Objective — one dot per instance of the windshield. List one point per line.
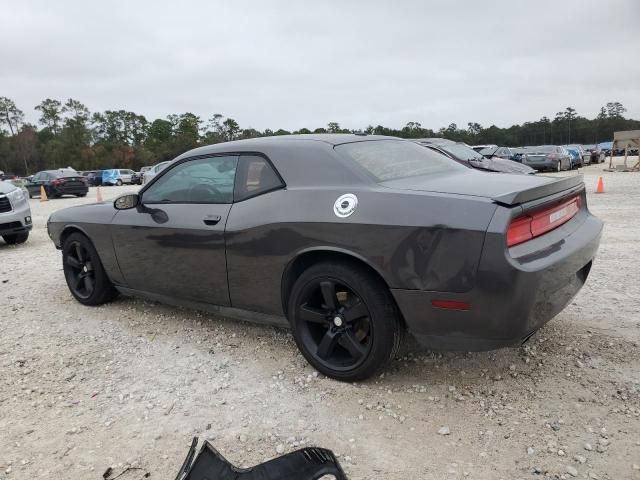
(393, 159)
(488, 151)
(461, 151)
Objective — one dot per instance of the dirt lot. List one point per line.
(130, 383)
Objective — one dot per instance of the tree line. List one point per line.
(68, 134)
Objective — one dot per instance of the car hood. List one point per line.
(89, 213)
(484, 184)
(6, 187)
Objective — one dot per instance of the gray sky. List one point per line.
(301, 64)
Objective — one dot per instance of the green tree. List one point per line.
(333, 127)
(50, 114)
(10, 115)
(615, 110)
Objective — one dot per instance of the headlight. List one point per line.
(16, 197)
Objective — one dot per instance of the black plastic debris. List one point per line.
(305, 464)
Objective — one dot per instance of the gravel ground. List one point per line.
(127, 385)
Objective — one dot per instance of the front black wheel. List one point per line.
(84, 273)
(16, 238)
(344, 320)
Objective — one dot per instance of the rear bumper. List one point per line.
(70, 190)
(542, 165)
(517, 290)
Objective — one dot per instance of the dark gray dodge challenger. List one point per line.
(350, 240)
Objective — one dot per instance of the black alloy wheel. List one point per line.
(344, 321)
(79, 266)
(84, 273)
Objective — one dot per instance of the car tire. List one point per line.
(84, 273)
(81, 195)
(559, 166)
(118, 183)
(16, 238)
(344, 320)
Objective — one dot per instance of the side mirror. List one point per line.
(126, 201)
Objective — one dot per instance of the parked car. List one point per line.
(111, 177)
(576, 156)
(126, 175)
(584, 155)
(348, 239)
(57, 183)
(90, 175)
(605, 148)
(136, 178)
(594, 151)
(462, 153)
(15, 213)
(153, 171)
(94, 178)
(547, 157)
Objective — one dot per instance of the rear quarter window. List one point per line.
(392, 159)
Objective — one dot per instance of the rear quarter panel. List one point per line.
(413, 240)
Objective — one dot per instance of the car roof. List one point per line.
(265, 142)
(301, 160)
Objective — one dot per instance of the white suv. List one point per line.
(125, 175)
(15, 213)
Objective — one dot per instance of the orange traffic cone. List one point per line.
(43, 194)
(98, 194)
(600, 187)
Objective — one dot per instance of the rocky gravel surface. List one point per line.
(127, 385)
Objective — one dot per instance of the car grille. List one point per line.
(6, 226)
(5, 205)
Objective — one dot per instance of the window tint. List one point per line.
(206, 180)
(255, 176)
(392, 159)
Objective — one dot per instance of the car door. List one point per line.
(173, 242)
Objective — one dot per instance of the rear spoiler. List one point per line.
(569, 184)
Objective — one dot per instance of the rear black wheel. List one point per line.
(344, 320)
(559, 166)
(84, 273)
(16, 238)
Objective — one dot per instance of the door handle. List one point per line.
(211, 219)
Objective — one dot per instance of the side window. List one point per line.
(255, 176)
(205, 180)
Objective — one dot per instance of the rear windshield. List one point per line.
(393, 159)
(64, 173)
(543, 149)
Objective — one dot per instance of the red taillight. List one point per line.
(57, 181)
(519, 231)
(552, 156)
(533, 225)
